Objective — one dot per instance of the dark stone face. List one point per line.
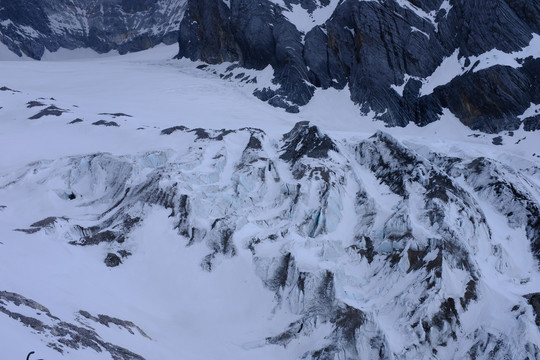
(214, 44)
(112, 260)
(131, 6)
(305, 140)
(532, 123)
(371, 46)
(125, 25)
(534, 301)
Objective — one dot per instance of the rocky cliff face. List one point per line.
(31, 27)
(379, 250)
(403, 60)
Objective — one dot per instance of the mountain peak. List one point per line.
(305, 140)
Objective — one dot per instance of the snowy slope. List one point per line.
(151, 209)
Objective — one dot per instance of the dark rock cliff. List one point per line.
(31, 27)
(384, 51)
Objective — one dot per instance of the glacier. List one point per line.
(211, 225)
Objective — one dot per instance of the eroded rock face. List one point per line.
(384, 51)
(387, 253)
(31, 27)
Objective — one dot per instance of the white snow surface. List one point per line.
(188, 313)
(305, 20)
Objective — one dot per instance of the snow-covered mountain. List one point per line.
(153, 208)
(187, 219)
(34, 26)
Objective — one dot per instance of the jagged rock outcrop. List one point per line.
(31, 27)
(63, 336)
(389, 254)
(387, 53)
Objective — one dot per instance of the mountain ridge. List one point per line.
(376, 47)
(402, 61)
(31, 27)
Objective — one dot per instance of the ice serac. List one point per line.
(393, 55)
(378, 251)
(509, 192)
(31, 27)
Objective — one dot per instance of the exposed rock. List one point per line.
(305, 140)
(31, 27)
(28, 231)
(115, 115)
(106, 123)
(532, 123)
(48, 222)
(375, 47)
(48, 111)
(201, 134)
(34, 103)
(534, 301)
(170, 130)
(253, 33)
(4, 88)
(63, 335)
(112, 260)
(497, 140)
(489, 100)
(106, 320)
(210, 37)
